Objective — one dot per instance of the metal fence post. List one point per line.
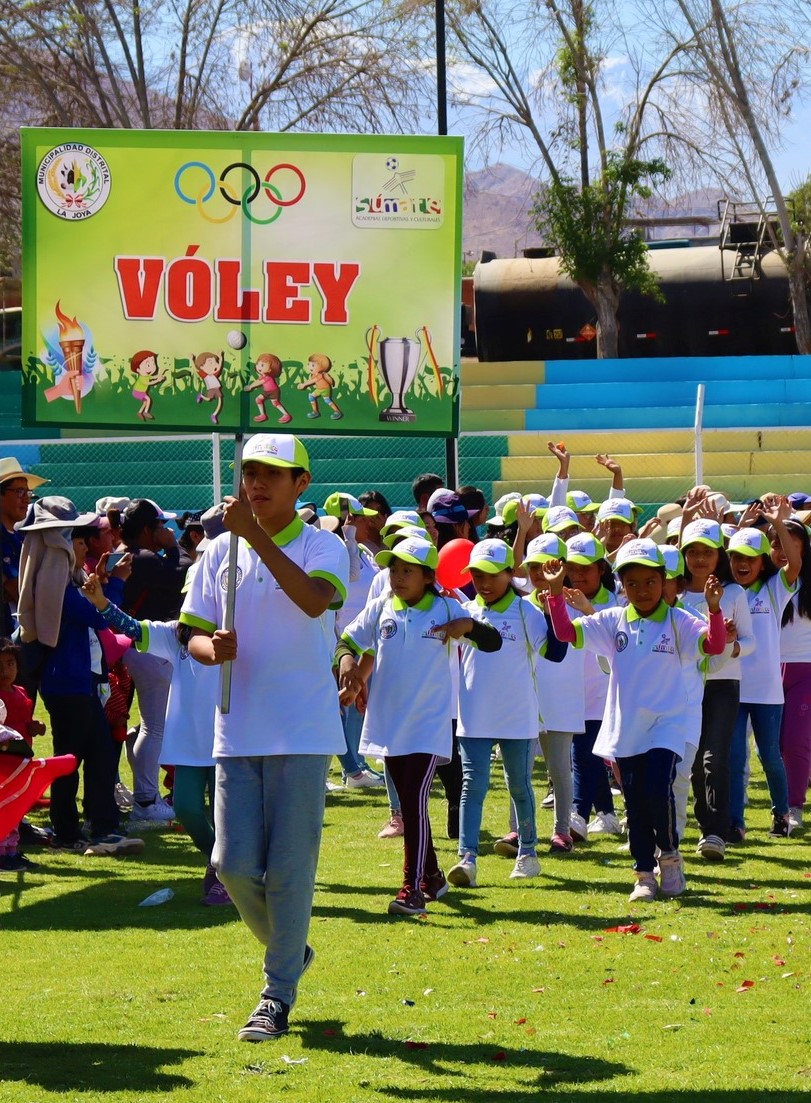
(698, 428)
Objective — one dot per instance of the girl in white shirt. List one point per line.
(646, 644)
(408, 713)
(498, 705)
(702, 545)
(588, 571)
(188, 736)
(768, 591)
(795, 655)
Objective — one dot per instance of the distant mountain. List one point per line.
(498, 201)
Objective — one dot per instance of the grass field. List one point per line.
(510, 992)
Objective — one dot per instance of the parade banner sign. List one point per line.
(181, 280)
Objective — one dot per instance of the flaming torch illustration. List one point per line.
(72, 342)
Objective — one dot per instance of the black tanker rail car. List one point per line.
(526, 309)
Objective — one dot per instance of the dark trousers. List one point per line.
(412, 775)
(710, 775)
(451, 774)
(79, 727)
(647, 784)
(589, 775)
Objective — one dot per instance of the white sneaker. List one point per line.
(604, 823)
(671, 874)
(577, 827)
(333, 787)
(795, 818)
(366, 779)
(463, 874)
(526, 865)
(711, 847)
(645, 887)
(157, 814)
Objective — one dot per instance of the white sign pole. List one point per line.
(231, 592)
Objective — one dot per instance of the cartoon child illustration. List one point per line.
(147, 375)
(209, 368)
(320, 384)
(268, 368)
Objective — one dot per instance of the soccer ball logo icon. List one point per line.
(392, 164)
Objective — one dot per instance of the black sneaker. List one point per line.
(453, 821)
(78, 846)
(781, 828)
(309, 958)
(408, 901)
(269, 1020)
(736, 835)
(16, 863)
(32, 835)
(434, 886)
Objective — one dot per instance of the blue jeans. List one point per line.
(352, 762)
(268, 813)
(766, 726)
(518, 756)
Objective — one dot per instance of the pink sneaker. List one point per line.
(217, 894)
(393, 829)
(283, 420)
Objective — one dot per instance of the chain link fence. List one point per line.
(190, 472)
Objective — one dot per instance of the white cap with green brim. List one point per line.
(339, 503)
(674, 561)
(490, 556)
(584, 549)
(497, 520)
(580, 502)
(728, 531)
(544, 548)
(702, 531)
(412, 550)
(749, 542)
(534, 502)
(402, 518)
(617, 509)
(642, 553)
(560, 518)
(402, 533)
(275, 451)
(673, 527)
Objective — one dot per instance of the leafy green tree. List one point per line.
(545, 79)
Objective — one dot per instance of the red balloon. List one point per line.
(452, 559)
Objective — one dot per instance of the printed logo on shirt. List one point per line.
(621, 641)
(759, 605)
(431, 633)
(507, 632)
(224, 578)
(665, 645)
(388, 628)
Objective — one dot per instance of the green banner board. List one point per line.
(181, 280)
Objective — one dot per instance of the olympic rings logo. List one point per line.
(228, 190)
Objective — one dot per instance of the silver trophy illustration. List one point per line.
(399, 361)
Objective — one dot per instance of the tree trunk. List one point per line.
(605, 300)
(798, 287)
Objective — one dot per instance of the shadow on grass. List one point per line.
(543, 1069)
(109, 904)
(93, 1066)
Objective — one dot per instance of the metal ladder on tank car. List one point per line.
(748, 232)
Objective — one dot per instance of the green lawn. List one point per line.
(514, 991)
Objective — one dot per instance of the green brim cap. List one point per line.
(275, 451)
(412, 550)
